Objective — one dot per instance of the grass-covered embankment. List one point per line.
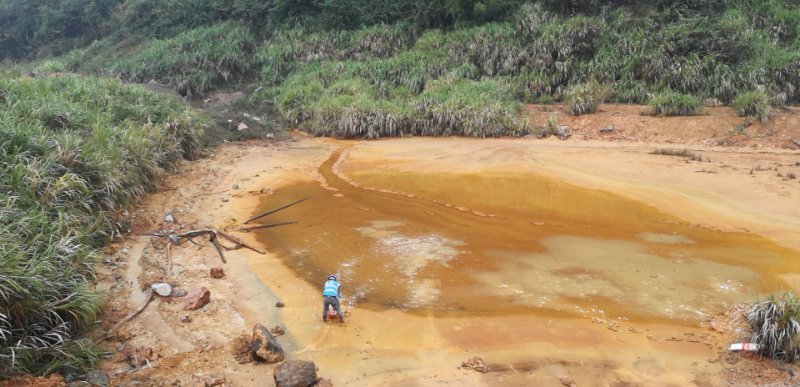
(403, 78)
(74, 151)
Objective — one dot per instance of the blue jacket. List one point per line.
(331, 288)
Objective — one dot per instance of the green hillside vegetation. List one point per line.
(74, 151)
(533, 54)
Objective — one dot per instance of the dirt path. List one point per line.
(731, 189)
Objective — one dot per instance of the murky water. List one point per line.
(499, 244)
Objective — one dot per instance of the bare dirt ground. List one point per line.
(745, 181)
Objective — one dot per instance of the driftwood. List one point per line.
(213, 237)
(129, 316)
(239, 242)
(251, 228)
(263, 214)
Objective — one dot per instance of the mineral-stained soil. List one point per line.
(745, 181)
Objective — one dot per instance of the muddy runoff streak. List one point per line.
(495, 244)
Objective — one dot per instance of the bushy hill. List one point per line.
(355, 78)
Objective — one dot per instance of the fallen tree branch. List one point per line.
(239, 241)
(213, 239)
(210, 193)
(169, 258)
(129, 316)
(263, 214)
(251, 228)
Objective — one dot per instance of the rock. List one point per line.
(567, 381)
(186, 319)
(97, 378)
(169, 219)
(476, 364)
(279, 304)
(217, 272)
(278, 330)
(163, 289)
(265, 347)
(241, 126)
(607, 129)
(295, 373)
(563, 132)
(225, 200)
(179, 293)
(235, 186)
(197, 298)
(212, 381)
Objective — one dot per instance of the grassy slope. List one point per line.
(387, 80)
(73, 152)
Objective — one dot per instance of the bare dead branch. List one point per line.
(263, 214)
(129, 316)
(251, 228)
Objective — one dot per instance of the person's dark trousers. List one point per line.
(330, 300)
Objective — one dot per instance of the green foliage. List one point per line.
(674, 104)
(584, 98)
(753, 104)
(193, 62)
(775, 325)
(38, 28)
(334, 100)
(73, 152)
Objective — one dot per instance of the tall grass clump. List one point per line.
(193, 62)
(583, 98)
(753, 104)
(73, 152)
(674, 104)
(333, 100)
(775, 325)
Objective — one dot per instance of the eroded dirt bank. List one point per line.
(390, 347)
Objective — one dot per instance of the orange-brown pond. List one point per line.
(502, 244)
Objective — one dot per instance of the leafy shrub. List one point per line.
(753, 104)
(775, 325)
(673, 104)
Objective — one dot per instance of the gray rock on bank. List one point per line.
(163, 289)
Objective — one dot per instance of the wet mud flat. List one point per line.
(543, 279)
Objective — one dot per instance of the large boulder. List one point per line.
(295, 373)
(265, 346)
(197, 298)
